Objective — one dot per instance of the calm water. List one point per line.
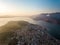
(53, 29)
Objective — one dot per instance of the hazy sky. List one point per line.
(28, 7)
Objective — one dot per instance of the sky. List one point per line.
(28, 7)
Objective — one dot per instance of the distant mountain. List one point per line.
(49, 17)
(24, 33)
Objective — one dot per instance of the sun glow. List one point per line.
(5, 8)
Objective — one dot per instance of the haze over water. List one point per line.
(4, 21)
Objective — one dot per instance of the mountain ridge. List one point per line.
(48, 17)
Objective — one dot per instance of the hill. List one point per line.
(48, 17)
(24, 33)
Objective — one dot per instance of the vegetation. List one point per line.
(7, 31)
(24, 33)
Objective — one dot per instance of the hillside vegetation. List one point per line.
(24, 33)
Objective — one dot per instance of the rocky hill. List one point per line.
(24, 33)
(48, 17)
